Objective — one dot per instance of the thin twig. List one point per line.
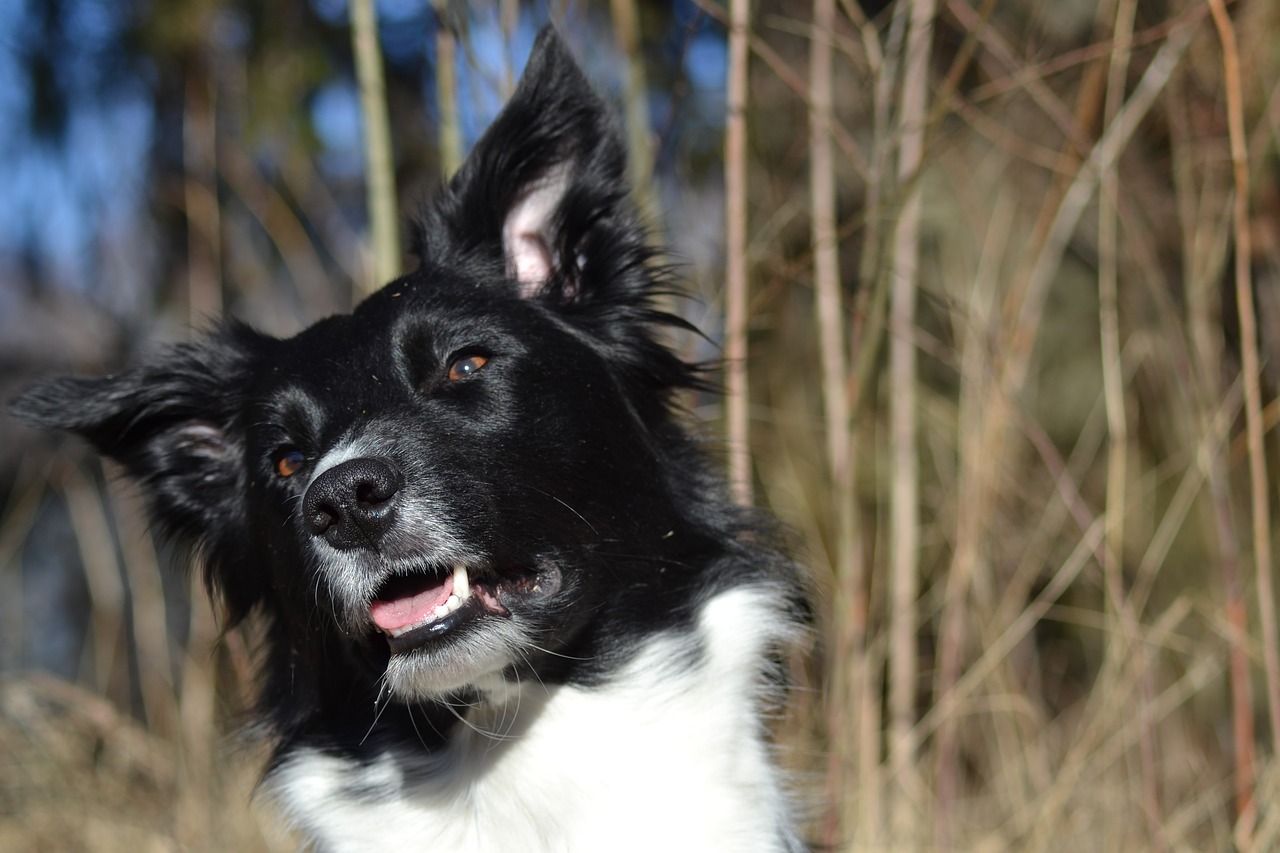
(846, 564)
(449, 133)
(1259, 500)
(384, 225)
(626, 30)
(200, 198)
(1117, 427)
(905, 495)
(735, 200)
(1203, 263)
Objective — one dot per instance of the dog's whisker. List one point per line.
(462, 718)
(414, 723)
(383, 690)
(582, 517)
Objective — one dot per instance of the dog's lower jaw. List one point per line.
(667, 754)
(438, 670)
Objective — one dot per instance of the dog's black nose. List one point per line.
(353, 503)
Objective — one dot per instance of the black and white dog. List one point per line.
(508, 605)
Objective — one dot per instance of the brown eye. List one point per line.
(465, 366)
(289, 462)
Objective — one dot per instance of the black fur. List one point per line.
(559, 467)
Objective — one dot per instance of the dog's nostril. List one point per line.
(370, 493)
(321, 518)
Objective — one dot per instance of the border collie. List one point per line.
(508, 604)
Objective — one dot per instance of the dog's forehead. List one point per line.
(361, 355)
(378, 322)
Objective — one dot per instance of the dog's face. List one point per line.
(439, 484)
(443, 464)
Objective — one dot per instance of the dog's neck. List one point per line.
(668, 754)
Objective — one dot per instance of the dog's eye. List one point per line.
(289, 461)
(465, 366)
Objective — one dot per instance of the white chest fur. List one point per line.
(667, 756)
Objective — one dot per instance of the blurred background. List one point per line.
(1001, 283)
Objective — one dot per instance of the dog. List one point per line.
(508, 605)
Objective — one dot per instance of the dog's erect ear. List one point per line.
(170, 423)
(544, 190)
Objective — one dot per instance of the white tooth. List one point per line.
(461, 587)
(453, 603)
(441, 611)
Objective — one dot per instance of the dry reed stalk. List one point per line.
(1203, 264)
(846, 563)
(1214, 462)
(200, 198)
(509, 16)
(148, 608)
(1259, 499)
(196, 696)
(1205, 332)
(102, 573)
(735, 200)
(195, 690)
(975, 489)
(972, 515)
(872, 301)
(1117, 428)
(1204, 247)
(450, 131)
(17, 518)
(865, 340)
(384, 225)
(626, 31)
(905, 488)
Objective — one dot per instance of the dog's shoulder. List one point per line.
(667, 753)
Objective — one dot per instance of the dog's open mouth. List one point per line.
(411, 609)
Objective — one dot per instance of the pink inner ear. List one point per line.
(528, 261)
(526, 233)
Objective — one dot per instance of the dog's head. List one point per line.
(445, 483)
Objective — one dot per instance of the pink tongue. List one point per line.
(411, 609)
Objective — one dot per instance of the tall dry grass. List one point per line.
(1006, 277)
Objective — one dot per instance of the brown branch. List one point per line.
(626, 30)
(449, 133)
(735, 200)
(200, 198)
(1259, 500)
(1118, 431)
(905, 489)
(847, 674)
(384, 225)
